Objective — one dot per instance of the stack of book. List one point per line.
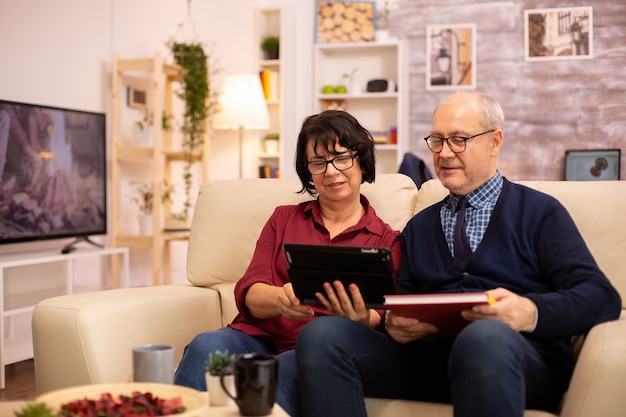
(268, 171)
(270, 82)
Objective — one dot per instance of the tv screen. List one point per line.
(52, 173)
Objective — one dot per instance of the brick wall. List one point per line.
(549, 106)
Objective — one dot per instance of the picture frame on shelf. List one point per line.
(592, 165)
(345, 21)
(451, 57)
(137, 98)
(558, 33)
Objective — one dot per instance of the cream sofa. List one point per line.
(87, 338)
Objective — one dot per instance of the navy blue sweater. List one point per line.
(531, 247)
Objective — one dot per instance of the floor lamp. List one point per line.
(242, 107)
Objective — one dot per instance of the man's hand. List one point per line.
(516, 311)
(406, 329)
(338, 302)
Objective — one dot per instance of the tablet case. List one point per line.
(371, 268)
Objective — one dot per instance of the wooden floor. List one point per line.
(20, 382)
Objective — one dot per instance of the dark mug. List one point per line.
(256, 377)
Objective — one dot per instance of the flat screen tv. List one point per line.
(52, 173)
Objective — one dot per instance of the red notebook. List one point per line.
(442, 310)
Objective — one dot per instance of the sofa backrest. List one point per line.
(597, 208)
(230, 214)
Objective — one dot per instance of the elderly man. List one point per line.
(518, 244)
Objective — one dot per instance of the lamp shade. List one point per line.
(242, 104)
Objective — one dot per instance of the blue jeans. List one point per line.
(488, 370)
(190, 371)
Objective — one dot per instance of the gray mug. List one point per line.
(154, 363)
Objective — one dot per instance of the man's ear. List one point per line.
(497, 140)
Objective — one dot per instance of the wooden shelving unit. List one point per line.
(160, 78)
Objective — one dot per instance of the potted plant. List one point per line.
(354, 86)
(382, 32)
(144, 198)
(270, 142)
(219, 362)
(143, 128)
(270, 46)
(200, 102)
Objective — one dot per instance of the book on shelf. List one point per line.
(270, 81)
(442, 310)
(268, 171)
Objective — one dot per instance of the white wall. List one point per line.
(60, 53)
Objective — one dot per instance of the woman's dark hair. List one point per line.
(326, 129)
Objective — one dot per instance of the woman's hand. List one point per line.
(352, 306)
(405, 329)
(290, 306)
(267, 301)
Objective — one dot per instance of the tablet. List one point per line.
(370, 268)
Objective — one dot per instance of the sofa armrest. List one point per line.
(597, 385)
(87, 338)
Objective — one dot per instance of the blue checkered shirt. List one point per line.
(482, 202)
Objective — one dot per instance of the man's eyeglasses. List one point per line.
(341, 163)
(457, 144)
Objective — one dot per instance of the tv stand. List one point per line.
(16, 346)
(70, 246)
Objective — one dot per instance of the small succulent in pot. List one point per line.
(271, 46)
(218, 361)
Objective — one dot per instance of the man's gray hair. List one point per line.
(492, 111)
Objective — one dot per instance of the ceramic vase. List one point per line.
(355, 87)
(146, 225)
(142, 137)
(382, 35)
(271, 146)
(217, 396)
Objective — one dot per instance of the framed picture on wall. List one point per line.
(563, 33)
(450, 57)
(592, 165)
(345, 21)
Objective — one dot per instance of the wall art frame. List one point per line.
(451, 57)
(340, 21)
(592, 165)
(558, 33)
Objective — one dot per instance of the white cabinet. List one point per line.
(382, 111)
(16, 347)
(268, 24)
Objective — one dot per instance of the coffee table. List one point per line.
(233, 411)
(8, 409)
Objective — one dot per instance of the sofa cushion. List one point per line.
(230, 214)
(87, 338)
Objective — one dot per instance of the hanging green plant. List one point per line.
(200, 103)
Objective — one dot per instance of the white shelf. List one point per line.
(269, 23)
(362, 96)
(15, 348)
(376, 111)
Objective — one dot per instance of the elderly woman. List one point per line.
(334, 156)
